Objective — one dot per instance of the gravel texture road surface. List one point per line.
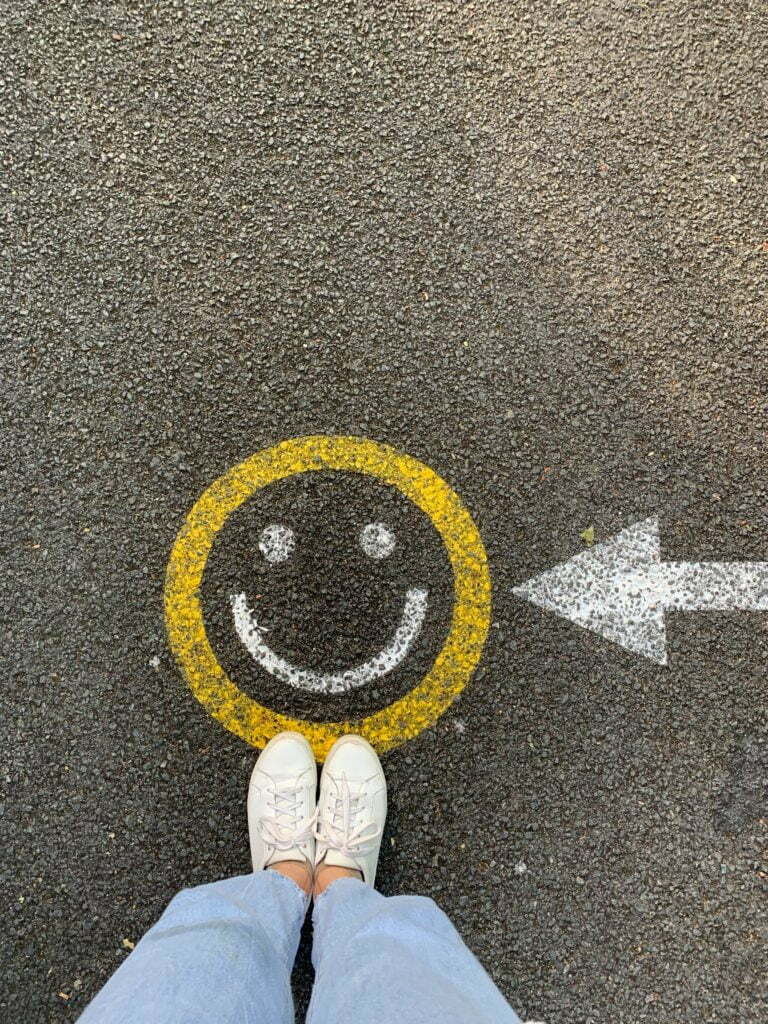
(526, 244)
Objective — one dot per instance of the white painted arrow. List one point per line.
(621, 589)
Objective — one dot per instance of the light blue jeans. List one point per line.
(223, 953)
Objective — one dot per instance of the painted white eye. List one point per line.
(377, 540)
(277, 542)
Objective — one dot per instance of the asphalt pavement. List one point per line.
(525, 244)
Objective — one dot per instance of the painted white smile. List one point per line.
(252, 636)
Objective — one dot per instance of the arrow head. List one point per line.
(612, 589)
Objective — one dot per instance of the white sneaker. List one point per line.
(282, 803)
(352, 808)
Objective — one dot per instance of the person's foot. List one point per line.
(351, 813)
(281, 808)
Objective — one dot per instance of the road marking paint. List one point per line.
(377, 541)
(277, 542)
(621, 589)
(406, 717)
(381, 664)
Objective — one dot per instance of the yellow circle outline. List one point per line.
(453, 667)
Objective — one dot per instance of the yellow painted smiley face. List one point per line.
(451, 670)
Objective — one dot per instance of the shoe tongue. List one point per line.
(293, 853)
(354, 790)
(335, 859)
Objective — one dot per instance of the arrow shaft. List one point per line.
(714, 586)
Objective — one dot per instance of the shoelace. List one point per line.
(347, 838)
(284, 830)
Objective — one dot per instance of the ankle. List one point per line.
(298, 871)
(328, 873)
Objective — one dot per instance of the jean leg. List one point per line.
(395, 960)
(220, 954)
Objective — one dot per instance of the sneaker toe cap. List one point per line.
(353, 757)
(287, 754)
